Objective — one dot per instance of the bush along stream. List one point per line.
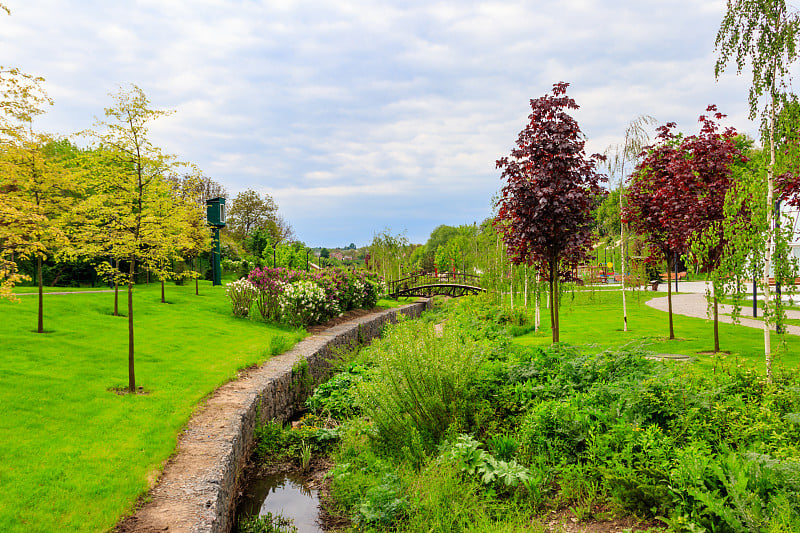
(459, 429)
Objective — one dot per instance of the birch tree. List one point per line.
(620, 158)
(763, 34)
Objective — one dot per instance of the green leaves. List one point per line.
(764, 34)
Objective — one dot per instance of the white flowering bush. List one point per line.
(303, 303)
(242, 293)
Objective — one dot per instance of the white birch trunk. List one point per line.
(770, 240)
(537, 316)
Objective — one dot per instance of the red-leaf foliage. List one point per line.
(679, 186)
(788, 187)
(545, 207)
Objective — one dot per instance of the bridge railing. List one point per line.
(417, 279)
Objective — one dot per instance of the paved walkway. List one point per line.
(694, 304)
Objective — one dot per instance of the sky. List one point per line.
(362, 116)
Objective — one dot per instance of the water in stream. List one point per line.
(284, 494)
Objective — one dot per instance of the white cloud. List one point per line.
(388, 113)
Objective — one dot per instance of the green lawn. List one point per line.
(75, 456)
(593, 319)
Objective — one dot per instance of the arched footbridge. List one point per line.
(427, 284)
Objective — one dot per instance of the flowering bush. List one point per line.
(270, 283)
(284, 295)
(303, 302)
(242, 293)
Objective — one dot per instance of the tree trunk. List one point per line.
(40, 326)
(556, 305)
(116, 291)
(770, 239)
(550, 303)
(196, 279)
(622, 267)
(163, 301)
(526, 288)
(131, 372)
(537, 296)
(511, 277)
(716, 324)
(553, 300)
(669, 297)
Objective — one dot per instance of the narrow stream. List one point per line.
(283, 494)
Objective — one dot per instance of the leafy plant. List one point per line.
(305, 456)
(472, 460)
(242, 293)
(267, 523)
(337, 397)
(503, 446)
(382, 504)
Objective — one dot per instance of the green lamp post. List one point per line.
(215, 215)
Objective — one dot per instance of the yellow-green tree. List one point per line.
(131, 215)
(22, 98)
(39, 182)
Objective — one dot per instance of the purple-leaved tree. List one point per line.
(550, 187)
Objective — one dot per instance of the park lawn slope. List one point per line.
(593, 321)
(76, 455)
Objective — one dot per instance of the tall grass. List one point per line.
(421, 385)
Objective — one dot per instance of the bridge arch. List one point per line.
(427, 284)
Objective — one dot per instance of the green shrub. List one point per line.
(336, 397)
(638, 475)
(421, 384)
(273, 441)
(736, 492)
(279, 344)
(382, 504)
(503, 446)
(555, 430)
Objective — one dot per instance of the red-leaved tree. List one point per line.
(677, 195)
(545, 206)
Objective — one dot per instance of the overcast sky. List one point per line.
(358, 115)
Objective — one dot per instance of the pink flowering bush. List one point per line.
(304, 298)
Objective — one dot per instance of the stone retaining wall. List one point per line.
(197, 490)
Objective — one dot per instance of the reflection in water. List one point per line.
(283, 494)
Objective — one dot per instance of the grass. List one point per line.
(387, 303)
(76, 456)
(593, 320)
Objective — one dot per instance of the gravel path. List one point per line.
(694, 305)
